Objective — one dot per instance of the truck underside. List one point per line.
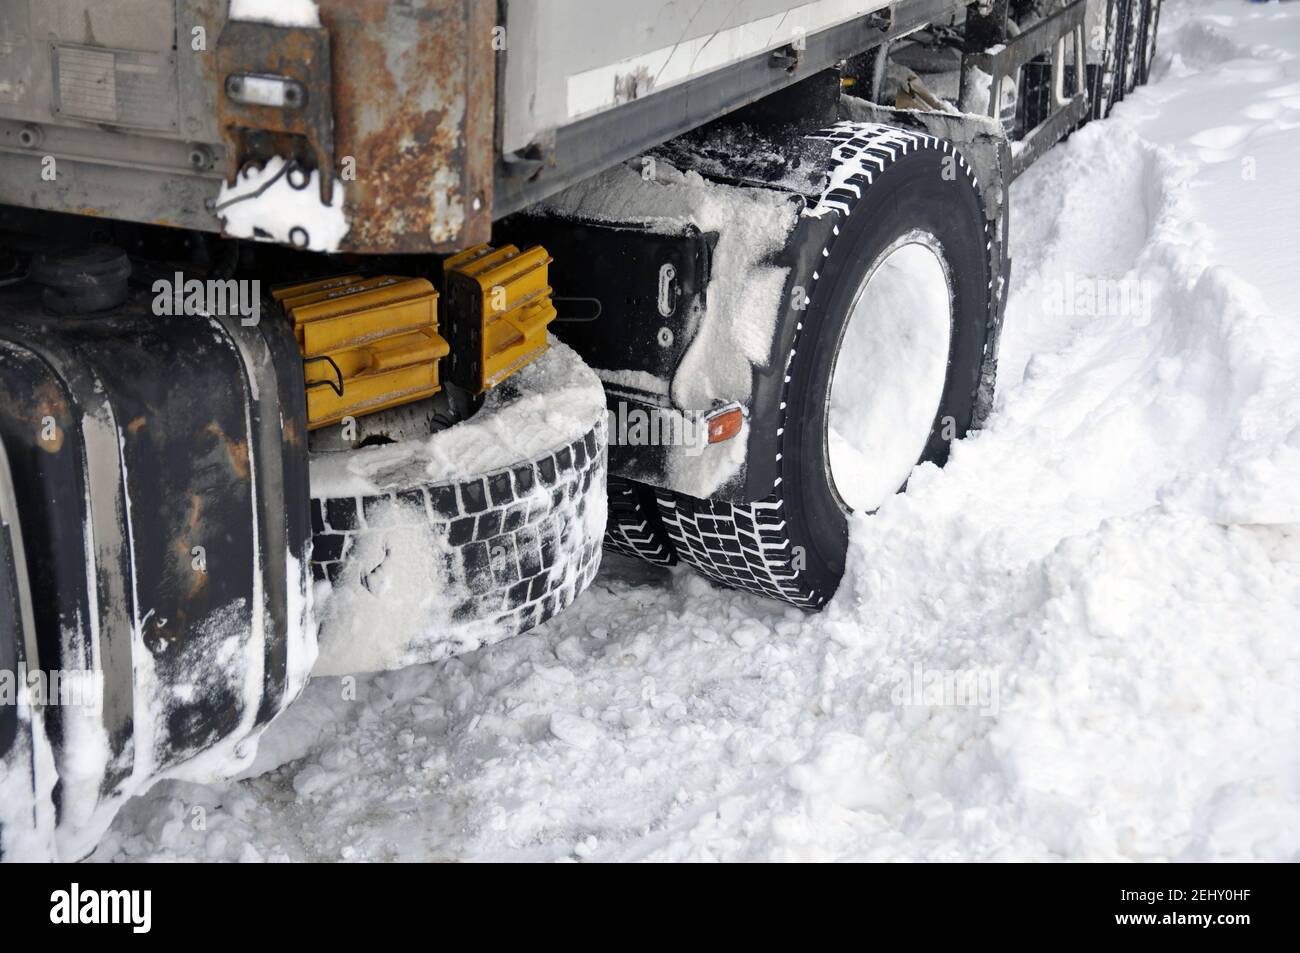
(307, 313)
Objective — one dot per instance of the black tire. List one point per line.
(634, 528)
(518, 543)
(1129, 48)
(1150, 26)
(1102, 77)
(792, 545)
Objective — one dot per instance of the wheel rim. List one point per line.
(889, 373)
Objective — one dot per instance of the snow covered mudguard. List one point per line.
(160, 474)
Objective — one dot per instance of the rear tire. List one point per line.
(1102, 77)
(1150, 25)
(792, 545)
(635, 528)
(1130, 50)
(514, 544)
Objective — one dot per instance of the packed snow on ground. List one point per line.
(1081, 639)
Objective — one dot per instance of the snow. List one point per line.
(636, 380)
(893, 358)
(550, 402)
(734, 333)
(265, 205)
(393, 606)
(1112, 567)
(290, 13)
(744, 299)
(27, 778)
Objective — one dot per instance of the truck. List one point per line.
(343, 335)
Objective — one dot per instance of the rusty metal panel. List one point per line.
(296, 61)
(410, 84)
(414, 91)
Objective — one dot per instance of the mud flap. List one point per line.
(160, 471)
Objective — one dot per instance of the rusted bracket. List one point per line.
(275, 97)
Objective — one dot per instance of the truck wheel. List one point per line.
(883, 372)
(1130, 52)
(1150, 24)
(634, 527)
(1101, 77)
(454, 564)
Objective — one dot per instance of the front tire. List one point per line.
(892, 188)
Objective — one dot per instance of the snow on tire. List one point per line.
(422, 563)
(1136, 44)
(890, 189)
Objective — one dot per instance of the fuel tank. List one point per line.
(159, 471)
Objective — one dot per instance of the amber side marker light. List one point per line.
(725, 424)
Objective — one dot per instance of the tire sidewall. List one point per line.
(918, 192)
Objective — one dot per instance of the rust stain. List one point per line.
(48, 414)
(236, 450)
(185, 547)
(299, 53)
(135, 426)
(410, 124)
(289, 429)
(413, 106)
